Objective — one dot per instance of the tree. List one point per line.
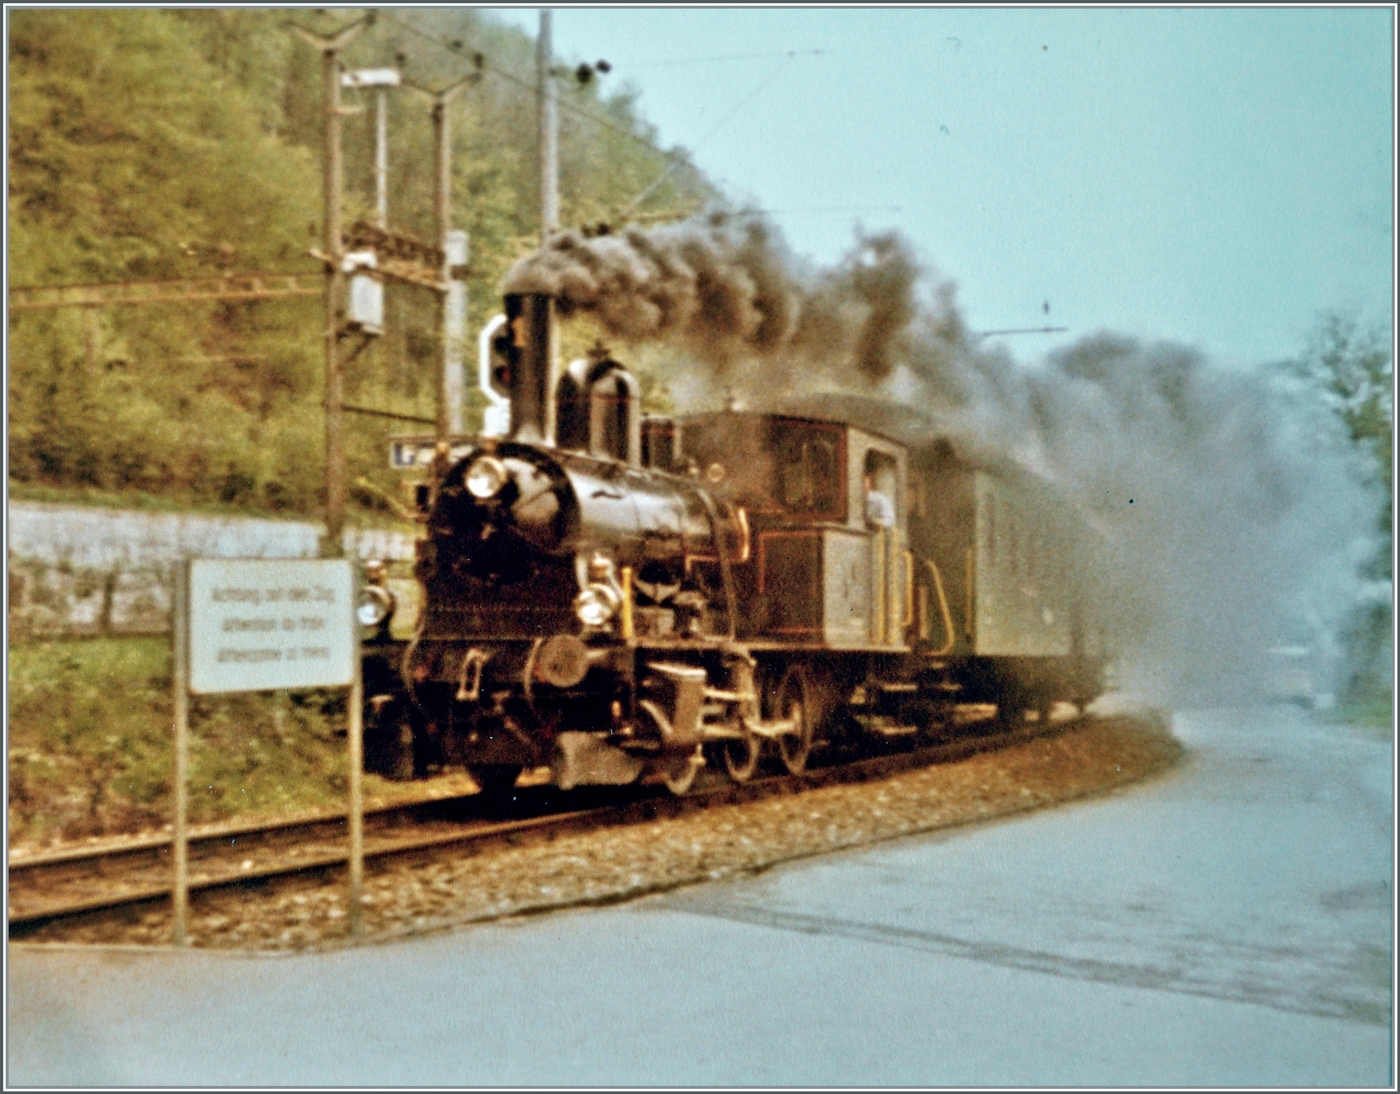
(149, 144)
(1352, 369)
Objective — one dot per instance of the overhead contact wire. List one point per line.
(677, 158)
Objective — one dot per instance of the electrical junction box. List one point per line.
(364, 310)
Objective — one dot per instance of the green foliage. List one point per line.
(1375, 714)
(131, 157)
(154, 144)
(1353, 369)
(90, 743)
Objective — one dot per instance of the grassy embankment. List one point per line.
(90, 744)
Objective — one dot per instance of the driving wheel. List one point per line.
(792, 702)
(680, 773)
(741, 756)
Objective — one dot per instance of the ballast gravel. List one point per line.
(614, 864)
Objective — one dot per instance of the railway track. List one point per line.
(86, 883)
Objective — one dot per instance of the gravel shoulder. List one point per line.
(610, 865)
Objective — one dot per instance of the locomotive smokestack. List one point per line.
(527, 344)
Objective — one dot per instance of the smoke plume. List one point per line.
(1228, 507)
(725, 290)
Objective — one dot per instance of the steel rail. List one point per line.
(151, 853)
(159, 843)
(388, 847)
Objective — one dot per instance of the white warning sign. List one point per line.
(263, 624)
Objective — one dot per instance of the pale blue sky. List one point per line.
(1213, 176)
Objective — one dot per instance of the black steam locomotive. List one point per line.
(626, 599)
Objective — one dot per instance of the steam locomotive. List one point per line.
(625, 598)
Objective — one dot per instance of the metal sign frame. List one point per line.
(181, 633)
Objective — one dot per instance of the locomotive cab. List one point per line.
(820, 571)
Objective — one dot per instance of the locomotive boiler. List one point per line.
(621, 598)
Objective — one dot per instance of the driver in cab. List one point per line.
(879, 506)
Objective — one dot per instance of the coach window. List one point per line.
(797, 479)
(826, 474)
(809, 477)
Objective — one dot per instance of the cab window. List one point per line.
(809, 470)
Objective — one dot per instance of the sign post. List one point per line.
(356, 736)
(181, 636)
(265, 625)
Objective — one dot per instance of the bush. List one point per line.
(91, 743)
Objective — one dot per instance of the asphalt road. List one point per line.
(1227, 924)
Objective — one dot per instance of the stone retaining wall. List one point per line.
(79, 571)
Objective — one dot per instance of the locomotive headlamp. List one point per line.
(486, 476)
(376, 605)
(596, 604)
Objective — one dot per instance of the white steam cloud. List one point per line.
(1230, 512)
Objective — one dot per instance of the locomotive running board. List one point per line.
(884, 726)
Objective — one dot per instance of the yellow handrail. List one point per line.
(628, 631)
(881, 590)
(943, 610)
(742, 518)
